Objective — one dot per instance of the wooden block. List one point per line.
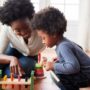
(12, 77)
(5, 78)
(16, 82)
(32, 81)
(19, 78)
(26, 79)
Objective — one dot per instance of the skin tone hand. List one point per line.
(43, 61)
(14, 66)
(49, 66)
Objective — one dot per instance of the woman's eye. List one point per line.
(17, 31)
(43, 38)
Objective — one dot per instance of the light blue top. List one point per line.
(71, 58)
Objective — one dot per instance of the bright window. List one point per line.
(36, 4)
(69, 7)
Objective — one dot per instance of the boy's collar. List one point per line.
(62, 39)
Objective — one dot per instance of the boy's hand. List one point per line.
(43, 61)
(14, 66)
(49, 66)
(55, 59)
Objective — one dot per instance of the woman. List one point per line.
(24, 44)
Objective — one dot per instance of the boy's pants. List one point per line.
(27, 63)
(73, 82)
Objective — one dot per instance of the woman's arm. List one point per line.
(13, 61)
(4, 59)
(4, 40)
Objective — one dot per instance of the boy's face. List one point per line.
(48, 40)
(22, 27)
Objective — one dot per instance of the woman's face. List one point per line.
(22, 27)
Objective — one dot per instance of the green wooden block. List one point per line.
(38, 66)
(32, 81)
(0, 73)
(1, 88)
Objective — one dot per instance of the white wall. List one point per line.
(1, 2)
(84, 24)
(72, 30)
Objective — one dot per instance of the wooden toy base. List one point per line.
(15, 84)
(15, 81)
(15, 87)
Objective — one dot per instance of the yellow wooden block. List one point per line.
(5, 78)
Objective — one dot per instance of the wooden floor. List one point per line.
(46, 84)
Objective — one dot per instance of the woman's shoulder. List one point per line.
(5, 29)
(34, 36)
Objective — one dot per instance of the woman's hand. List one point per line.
(14, 66)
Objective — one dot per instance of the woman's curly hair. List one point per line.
(16, 9)
(49, 20)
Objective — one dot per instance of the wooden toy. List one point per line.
(26, 79)
(15, 81)
(12, 78)
(19, 78)
(4, 79)
(0, 74)
(39, 70)
(0, 77)
(39, 57)
(32, 81)
(18, 83)
(55, 78)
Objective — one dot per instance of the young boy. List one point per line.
(16, 31)
(73, 65)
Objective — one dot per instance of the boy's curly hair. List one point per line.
(16, 9)
(49, 20)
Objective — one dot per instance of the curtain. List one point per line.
(84, 24)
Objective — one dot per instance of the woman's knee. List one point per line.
(27, 63)
(12, 51)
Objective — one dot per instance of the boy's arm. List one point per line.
(69, 64)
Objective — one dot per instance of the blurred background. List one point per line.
(77, 13)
